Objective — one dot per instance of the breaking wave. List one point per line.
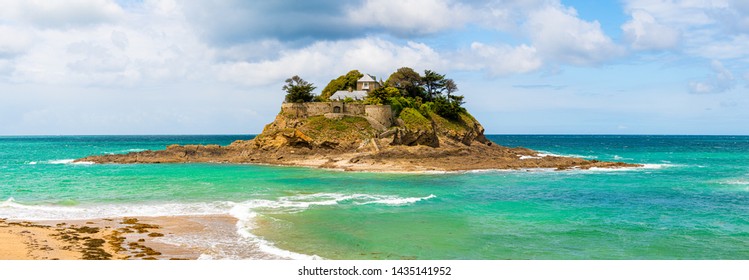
(60, 161)
(245, 212)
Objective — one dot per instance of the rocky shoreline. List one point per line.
(351, 143)
(385, 159)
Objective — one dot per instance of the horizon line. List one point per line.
(255, 134)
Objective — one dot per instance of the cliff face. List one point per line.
(336, 133)
(344, 133)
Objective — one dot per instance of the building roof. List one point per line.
(355, 95)
(366, 78)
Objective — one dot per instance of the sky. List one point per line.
(81, 67)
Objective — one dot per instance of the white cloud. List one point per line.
(500, 60)
(708, 29)
(95, 59)
(723, 48)
(734, 16)
(149, 46)
(163, 7)
(644, 32)
(559, 35)
(224, 23)
(255, 51)
(677, 12)
(119, 40)
(409, 16)
(721, 80)
(6, 67)
(323, 60)
(507, 15)
(62, 14)
(14, 41)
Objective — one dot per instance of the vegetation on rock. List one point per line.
(298, 90)
(407, 81)
(344, 82)
(431, 93)
(413, 120)
(322, 127)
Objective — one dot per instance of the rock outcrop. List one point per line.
(414, 143)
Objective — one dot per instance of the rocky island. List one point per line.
(406, 124)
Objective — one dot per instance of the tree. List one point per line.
(344, 82)
(450, 87)
(298, 90)
(449, 107)
(408, 81)
(433, 83)
(382, 94)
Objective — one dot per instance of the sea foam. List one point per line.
(550, 154)
(60, 161)
(398, 200)
(543, 154)
(246, 213)
(125, 151)
(66, 161)
(13, 210)
(644, 166)
(246, 223)
(737, 182)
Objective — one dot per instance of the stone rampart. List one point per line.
(382, 114)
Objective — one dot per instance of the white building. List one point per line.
(363, 86)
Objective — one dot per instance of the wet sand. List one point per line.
(130, 238)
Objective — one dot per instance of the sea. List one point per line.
(689, 201)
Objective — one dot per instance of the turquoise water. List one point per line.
(691, 201)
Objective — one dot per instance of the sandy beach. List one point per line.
(129, 238)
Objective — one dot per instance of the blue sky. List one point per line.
(526, 67)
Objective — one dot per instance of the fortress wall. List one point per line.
(354, 109)
(305, 110)
(382, 113)
(294, 109)
(318, 108)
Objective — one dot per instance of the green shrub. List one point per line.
(415, 120)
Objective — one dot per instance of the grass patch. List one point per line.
(321, 123)
(415, 120)
(467, 119)
(320, 127)
(465, 122)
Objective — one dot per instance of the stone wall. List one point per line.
(305, 110)
(354, 109)
(318, 108)
(382, 114)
